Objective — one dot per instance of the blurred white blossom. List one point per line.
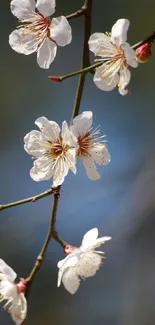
(38, 32)
(16, 303)
(54, 153)
(82, 262)
(90, 144)
(116, 54)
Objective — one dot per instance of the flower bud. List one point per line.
(143, 53)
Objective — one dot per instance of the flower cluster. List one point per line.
(55, 151)
(80, 263)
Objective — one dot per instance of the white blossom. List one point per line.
(16, 303)
(54, 153)
(90, 145)
(82, 262)
(38, 32)
(116, 54)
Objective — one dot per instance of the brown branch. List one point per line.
(52, 233)
(30, 199)
(150, 38)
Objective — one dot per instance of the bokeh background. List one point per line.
(121, 204)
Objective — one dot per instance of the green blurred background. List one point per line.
(121, 204)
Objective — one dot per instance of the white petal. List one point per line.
(130, 55)
(60, 31)
(71, 159)
(100, 42)
(91, 170)
(102, 240)
(46, 7)
(50, 129)
(8, 289)
(90, 237)
(100, 154)
(71, 281)
(60, 172)
(106, 83)
(19, 309)
(70, 261)
(32, 143)
(68, 136)
(7, 271)
(82, 123)
(46, 54)
(119, 31)
(125, 76)
(42, 169)
(22, 43)
(22, 8)
(88, 264)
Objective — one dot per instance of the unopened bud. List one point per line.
(54, 78)
(143, 53)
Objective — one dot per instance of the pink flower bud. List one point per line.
(143, 53)
(54, 78)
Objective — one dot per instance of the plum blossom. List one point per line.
(116, 55)
(38, 32)
(82, 262)
(54, 153)
(16, 303)
(90, 148)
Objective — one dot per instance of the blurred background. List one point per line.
(121, 204)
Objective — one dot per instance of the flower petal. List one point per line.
(82, 123)
(19, 309)
(42, 169)
(88, 264)
(33, 142)
(125, 76)
(68, 136)
(60, 171)
(70, 261)
(100, 154)
(60, 31)
(71, 159)
(104, 79)
(46, 7)
(130, 55)
(50, 129)
(119, 31)
(7, 271)
(90, 237)
(21, 9)
(100, 44)
(91, 170)
(102, 240)
(46, 54)
(22, 43)
(71, 281)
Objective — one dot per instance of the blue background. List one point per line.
(121, 204)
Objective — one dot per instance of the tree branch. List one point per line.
(30, 199)
(52, 233)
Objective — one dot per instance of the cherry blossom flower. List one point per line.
(82, 262)
(90, 144)
(54, 153)
(38, 32)
(116, 54)
(16, 303)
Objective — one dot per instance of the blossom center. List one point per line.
(58, 149)
(84, 144)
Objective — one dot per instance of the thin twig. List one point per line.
(52, 233)
(30, 199)
(91, 68)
